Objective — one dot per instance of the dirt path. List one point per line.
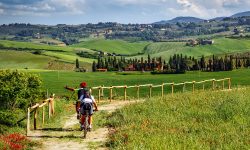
(69, 137)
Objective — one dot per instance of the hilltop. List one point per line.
(241, 14)
(181, 20)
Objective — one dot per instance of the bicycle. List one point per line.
(86, 124)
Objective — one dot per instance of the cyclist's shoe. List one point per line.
(89, 127)
(82, 127)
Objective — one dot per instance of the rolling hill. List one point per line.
(241, 14)
(181, 20)
(63, 54)
(220, 47)
(113, 46)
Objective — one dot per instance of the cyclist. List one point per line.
(87, 102)
(80, 91)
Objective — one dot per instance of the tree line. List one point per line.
(176, 63)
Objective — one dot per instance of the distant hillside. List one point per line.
(181, 20)
(217, 19)
(241, 14)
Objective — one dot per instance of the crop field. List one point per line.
(220, 47)
(113, 46)
(206, 120)
(30, 45)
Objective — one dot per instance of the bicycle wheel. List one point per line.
(86, 124)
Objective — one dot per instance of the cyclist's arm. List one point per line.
(95, 105)
(72, 89)
(69, 88)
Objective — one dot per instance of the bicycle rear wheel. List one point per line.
(86, 124)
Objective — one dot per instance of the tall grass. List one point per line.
(211, 120)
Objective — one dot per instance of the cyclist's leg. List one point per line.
(90, 117)
(78, 109)
(90, 120)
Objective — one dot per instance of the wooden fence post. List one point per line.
(184, 87)
(43, 115)
(162, 90)
(223, 84)
(172, 89)
(150, 91)
(102, 95)
(49, 105)
(193, 86)
(125, 92)
(28, 122)
(138, 92)
(203, 86)
(111, 94)
(35, 119)
(52, 107)
(99, 94)
(229, 83)
(213, 84)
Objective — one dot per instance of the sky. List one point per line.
(53, 12)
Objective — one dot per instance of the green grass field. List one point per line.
(113, 46)
(220, 47)
(54, 81)
(64, 54)
(209, 120)
(163, 49)
(30, 45)
(20, 60)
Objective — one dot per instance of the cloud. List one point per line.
(141, 2)
(43, 7)
(1, 11)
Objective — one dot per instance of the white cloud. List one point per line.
(141, 2)
(1, 11)
(45, 7)
(68, 6)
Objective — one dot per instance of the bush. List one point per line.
(18, 89)
(8, 118)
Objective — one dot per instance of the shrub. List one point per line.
(8, 118)
(18, 89)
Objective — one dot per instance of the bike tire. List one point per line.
(86, 125)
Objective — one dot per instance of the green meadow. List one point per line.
(54, 81)
(206, 120)
(221, 46)
(20, 60)
(113, 46)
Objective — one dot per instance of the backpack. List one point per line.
(87, 106)
(85, 92)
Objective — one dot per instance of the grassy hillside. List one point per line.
(221, 46)
(211, 120)
(21, 60)
(113, 46)
(29, 45)
(64, 54)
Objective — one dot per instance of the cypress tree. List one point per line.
(94, 66)
(77, 63)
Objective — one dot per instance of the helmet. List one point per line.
(83, 84)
